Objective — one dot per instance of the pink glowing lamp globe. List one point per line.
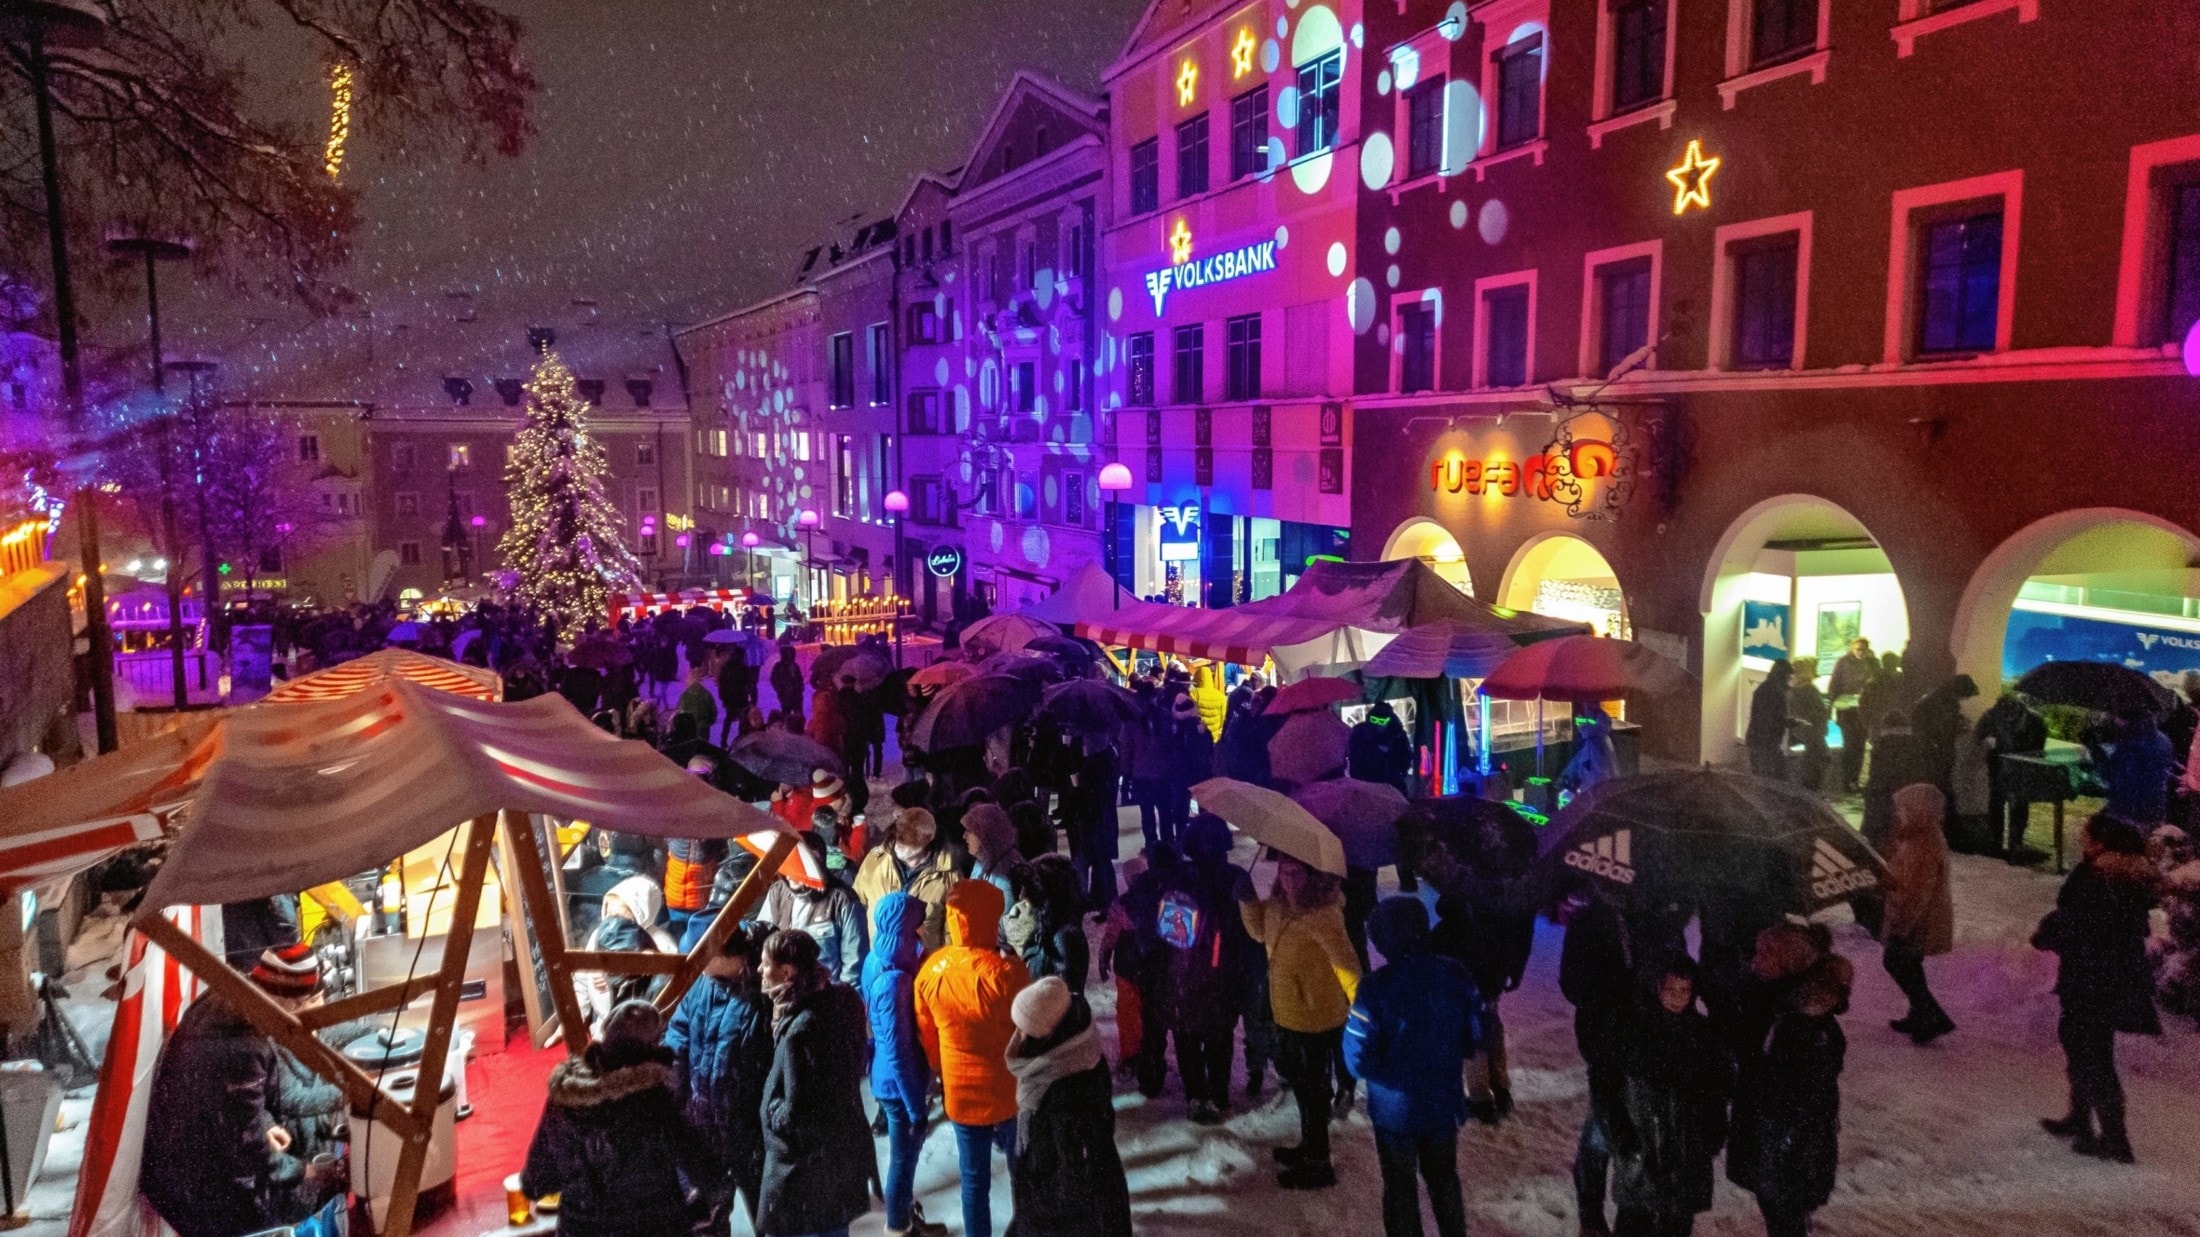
(1115, 478)
(750, 541)
(2192, 350)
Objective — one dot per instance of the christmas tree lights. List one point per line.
(565, 543)
(339, 119)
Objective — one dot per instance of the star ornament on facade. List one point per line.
(1692, 179)
(1241, 52)
(1187, 84)
(1180, 243)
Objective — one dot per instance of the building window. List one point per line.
(408, 553)
(408, 503)
(2183, 293)
(844, 476)
(1960, 285)
(882, 360)
(843, 361)
(924, 324)
(462, 456)
(309, 448)
(924, 412)
(1638, 53)
(1320, 98)
(645, 454)
(947, 237)
(1023, 382)
(718, 443)
(1764, 303)
(1242, 379)
(1190, 364)
(925, 500)
(1505, 320)
(1021, 485)
(1146, 176)
(1079, 263)
(1073, 387)
(927, 244)
(1520, 92)
(1073, 498)
(1623, 303)
(1425, 129)
(271, 560)
(1782, 28)
(1138, 352)
(645, 502)
(1417, 347)
(647, 545)
(402, 455)
(1191, 156)
(1249, 133)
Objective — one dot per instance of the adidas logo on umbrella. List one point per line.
(1833, 874)
(1609, 857)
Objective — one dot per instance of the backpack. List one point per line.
(1178, 919)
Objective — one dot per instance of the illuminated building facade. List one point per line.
(1728, 325)
(1235, 157)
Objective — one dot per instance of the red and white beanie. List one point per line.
(292, 971)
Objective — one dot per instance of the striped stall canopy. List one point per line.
(658, 603)
(60, 824)
(310, 793)
(375, 669)
(1217, 635)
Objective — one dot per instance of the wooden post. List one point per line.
(751, 892)
(442, 1020)
(549, 919)
(266, 1017)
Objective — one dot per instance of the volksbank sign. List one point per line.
(1219, 268)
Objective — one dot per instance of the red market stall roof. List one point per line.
(375, 669)
(1336, 614)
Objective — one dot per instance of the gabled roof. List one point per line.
(1075, 107)
(1155, 28)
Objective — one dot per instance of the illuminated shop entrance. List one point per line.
(1795, 578)
(1563, 576)
(1433, 544)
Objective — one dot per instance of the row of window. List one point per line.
(1188, 363)
(841, 363)
(1320, 100)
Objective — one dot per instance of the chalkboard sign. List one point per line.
(527, 935)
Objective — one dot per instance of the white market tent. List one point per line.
(1337, 614)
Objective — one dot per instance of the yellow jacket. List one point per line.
(1313, 974)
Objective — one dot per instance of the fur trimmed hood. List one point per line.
(575, 1084)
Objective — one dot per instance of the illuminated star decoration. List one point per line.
(339, 119)
(1180, 243)
(1187, 84)
(1241, 52)
(1692, 179)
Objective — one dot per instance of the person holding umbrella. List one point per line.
(1313, 976)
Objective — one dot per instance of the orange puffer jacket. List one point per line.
(963, 997)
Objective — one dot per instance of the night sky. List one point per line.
(687, 151)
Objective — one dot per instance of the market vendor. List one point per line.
(222, 1162)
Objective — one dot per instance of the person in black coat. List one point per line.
(1058, 945)
(819, 1160)
(1596, 974)
(1671, 1117)
(1477, 928)
(1068, 1179)
(1192, 951)
(1380, 749)
(1767, 735)
(2009, 728)
(611, 1143)
(721, 1042)
(1785, 1143)
(2098, 930)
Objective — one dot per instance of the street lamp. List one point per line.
(808, 521)
(749, 542)
(897, 505)
(1114, 479)
(154, 250)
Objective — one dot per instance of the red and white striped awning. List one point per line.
(658, 603)
(352, 677)
(1216, 635)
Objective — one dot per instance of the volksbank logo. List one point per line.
(1610, 857)
(1219, 268)
(1833, 874)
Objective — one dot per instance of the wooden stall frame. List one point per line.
(414, 1123)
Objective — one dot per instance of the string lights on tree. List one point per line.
(339, 118)
(565, 543)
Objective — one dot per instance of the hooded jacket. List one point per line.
(2099, 931)
(818, 1156)
(899, 1070)
(600, 992)
(928, 881)
(1312, 969)
(1921, 909)
(1413, 1026)
(1786, 1142)
(1069, 1177)
(209, 1115)
(963, 995)
(612, 1144)
(1672, 1118)
(721, 1042)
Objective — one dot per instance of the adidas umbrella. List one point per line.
(1704, 834)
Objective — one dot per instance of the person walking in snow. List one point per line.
(1414, 1023)
(1920, 917)
(1671, 1119)
(1066, 1174)
(1312, 978)
(818, 1157)
(721, 1042)
(1785, 1144)
(2098, 930)
(963, 997)
(901, 1078)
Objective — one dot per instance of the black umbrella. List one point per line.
(1466, 844)
(2102, 686)
(848, 660)
(783, 756)
(1036, 670)
(1069, 648)
(964, 714)
(1089, 706)
(1697, 834)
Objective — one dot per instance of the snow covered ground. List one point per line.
(1936, 1140)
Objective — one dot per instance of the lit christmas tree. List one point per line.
(565, 542)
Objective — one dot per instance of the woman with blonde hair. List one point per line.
(1313, 975)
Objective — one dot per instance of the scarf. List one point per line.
(1075, 1055)
(785, 997)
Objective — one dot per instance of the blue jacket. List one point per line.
(1413, 1025)
(899, 1070)
(721, 1043)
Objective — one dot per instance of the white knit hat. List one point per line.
(1041, 1007)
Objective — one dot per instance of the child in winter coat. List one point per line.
(1786, 1138)
(1920, 917)
(1312, 976)
(1068, 1179)
(1671, 1118)
(1193, 948)
(611, 1142)
(963, 997)
(901, 1078)
(721, 1043)
(1413, 1026)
